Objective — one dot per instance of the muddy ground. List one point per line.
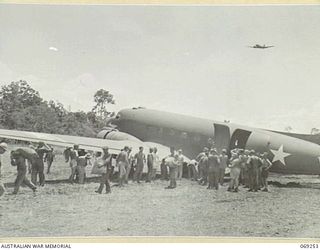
(62, 209)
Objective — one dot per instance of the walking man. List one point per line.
(49, 157)
(106, 165)
(19, 160)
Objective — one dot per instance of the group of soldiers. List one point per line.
(246, 167)
(32, 159)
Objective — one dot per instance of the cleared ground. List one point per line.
(63, 209)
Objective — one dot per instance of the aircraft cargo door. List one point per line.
(221, 137)
(239, 138)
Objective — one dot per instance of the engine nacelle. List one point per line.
(116, 135)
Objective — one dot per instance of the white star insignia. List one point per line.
(279, 155)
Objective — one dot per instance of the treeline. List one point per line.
(22, 108)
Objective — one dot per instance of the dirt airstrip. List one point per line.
(62, 209)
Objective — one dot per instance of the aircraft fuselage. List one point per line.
(288, 154)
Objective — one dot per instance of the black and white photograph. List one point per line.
(157, 120)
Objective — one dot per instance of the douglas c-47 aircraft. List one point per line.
(258, 46)
(289, 153)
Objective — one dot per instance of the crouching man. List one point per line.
(18, 159)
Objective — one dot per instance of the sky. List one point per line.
(192, 60)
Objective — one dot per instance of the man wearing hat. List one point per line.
(3, 149)
(106, 164)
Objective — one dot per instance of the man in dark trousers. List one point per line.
(213, 169)
(122, 163)
(19, 160)
(150, 165)
(49, 159)
(140, 160)
(254, 165)
(38, 165)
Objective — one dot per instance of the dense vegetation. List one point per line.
(22, 108)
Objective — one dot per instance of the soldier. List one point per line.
(213, 169)
(203, 166)
(83, 161)
(73, 161)
(235, 168)
(173, 163)
(149, 164)
(223, 165)
(193, 169)
(180, 166)
(164, 169)
(246, 167)
(38, 165)
(49, 157)
(254, 165)
(3, 149)
(198, 159)
(156, 163)
(140, 159)
(130, 163)
(266, 165)
(18, 159)
(122, 163)
(106, 165)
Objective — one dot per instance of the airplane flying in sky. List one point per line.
(258, 46)
(289, 153)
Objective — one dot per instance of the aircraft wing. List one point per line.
(163, 151)
(87, 143)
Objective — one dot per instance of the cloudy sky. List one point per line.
(186, 59)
